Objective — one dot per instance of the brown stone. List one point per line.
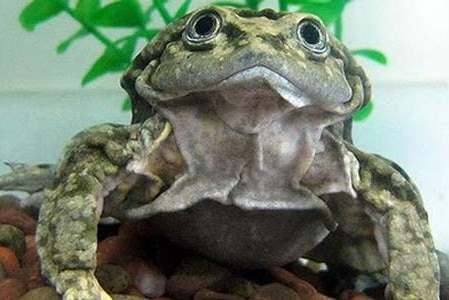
(303, 288)
(112, 250)
(276, 291)
(13, 238)
(47, 293)
(30, 257)
(195, 274)
(9, 201)
(12, 289)
(242, 287)
(206, 294)
(9, 261)
(114, 279)
(126, 297)
(19, 218)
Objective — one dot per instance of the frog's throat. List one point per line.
(249, 77)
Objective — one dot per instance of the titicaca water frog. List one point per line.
(240, 149)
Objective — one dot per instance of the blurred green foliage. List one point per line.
(95, 17)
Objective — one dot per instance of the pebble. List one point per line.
(276, 291)
(2, 272)
(30, 257)
(47, 293)
(242, 287)
(194, 274)
(9, 261)
(112, 278)
(19, 218)
(206, 294)
(126, 297)
(12, 289)
(112, 250)
(13, 238)
(8, 201)
(303, 288)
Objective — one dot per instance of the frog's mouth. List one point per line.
(248, 99)
(257, 75)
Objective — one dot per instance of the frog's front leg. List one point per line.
(403, 232)
(93, 166)
(67, 235)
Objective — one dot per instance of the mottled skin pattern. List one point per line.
(377, 223)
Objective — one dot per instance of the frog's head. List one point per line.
(245, 53)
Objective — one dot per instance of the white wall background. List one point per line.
(42, 104)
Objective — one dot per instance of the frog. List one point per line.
(240, 149)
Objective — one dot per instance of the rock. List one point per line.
(9, 261)
(8, 201)
(276, 291)
(112, 278)
(303, 288)
(242, 287)
(126, 297)
(47, 293)
(12, 289)
(2, 272)
(353, 295)
(30, 256)
(145, 277)
(13, 238)
(194, 274)
(112, 250)
(206, 294)
(34, 277)
(19, 218)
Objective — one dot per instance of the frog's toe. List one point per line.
(80, 285)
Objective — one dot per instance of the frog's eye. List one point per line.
(203, 26)
(312, 35)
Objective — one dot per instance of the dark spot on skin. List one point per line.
(277, 42)
(267, 13)
(233, 31)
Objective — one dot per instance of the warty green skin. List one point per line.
(121, 171)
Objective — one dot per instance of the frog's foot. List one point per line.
(80, 285)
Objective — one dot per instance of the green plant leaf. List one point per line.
(253, 4)
(230, 4)
(110, 61)
(328, 12)
(85, 9)
(39, 11)
(160, 6)
(64, 45)
(372, 54)
(123, 13)
(183, 8)
(126, 105)
(364, 113)
(129, 46)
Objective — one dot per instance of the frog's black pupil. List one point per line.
(205, 25)
(310, 34)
